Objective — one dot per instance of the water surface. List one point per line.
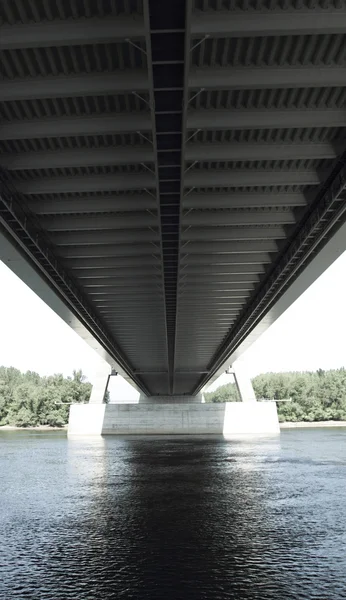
(173, 518)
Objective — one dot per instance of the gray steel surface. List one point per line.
(170, 168)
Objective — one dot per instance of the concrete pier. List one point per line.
(229, 418)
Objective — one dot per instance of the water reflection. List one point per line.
(171, 518)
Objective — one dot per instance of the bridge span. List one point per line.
(172, 173)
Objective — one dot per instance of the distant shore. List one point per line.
(284, 425)
(307, 424)
(37, 428)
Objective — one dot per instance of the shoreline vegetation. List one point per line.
(29, 400)
(285, 425)
(318, 399)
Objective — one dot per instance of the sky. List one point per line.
(311, 334)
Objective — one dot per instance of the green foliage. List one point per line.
(225, 393)
(319, 396)
(27, 400)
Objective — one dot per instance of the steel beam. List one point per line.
(220, 262)
(75, 126)
(275, 22)
(144, 297)
(222, 279)
(108, 250)
(86, 183)
(92, 204)
(71, 32)
(195, 285)
(100, 222)
(250, 178)
(121, 274)
(229, 272)
(202, 320)
(211, 293)
(252, 151)
(223, 219)
(227, 234)
(216, 278)
(215, 302)
(225, 262)
(220, 312)
(243, 78)
(273, 118)
(122, 263)
(108, 290)
(222, 200)
(77, 157)
(69, 86)
(239, 250)
(123, 282)
(102, 238)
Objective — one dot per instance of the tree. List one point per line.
(319, 396)
(26, 399)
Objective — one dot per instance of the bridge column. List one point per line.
(100, 384)
(243, 383)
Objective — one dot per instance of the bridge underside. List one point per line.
(170, 168)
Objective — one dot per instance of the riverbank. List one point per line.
(37, 428)
(307, 424)
(285, 425)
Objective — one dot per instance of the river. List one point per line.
(173, 518)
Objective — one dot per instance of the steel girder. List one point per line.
(94, 124)
(71, 32)
(66, 205)
(249, 23)
(162, 163)
(74, 86)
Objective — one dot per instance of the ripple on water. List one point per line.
(173, 518)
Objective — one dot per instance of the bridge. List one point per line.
(172, 173)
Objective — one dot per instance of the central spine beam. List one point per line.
(167, 23)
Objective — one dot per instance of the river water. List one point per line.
(173, 518)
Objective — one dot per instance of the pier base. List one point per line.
(229, 418)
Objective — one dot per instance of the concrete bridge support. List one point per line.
(227, 419)
(100, 384)
(243, 382)
(174, 415)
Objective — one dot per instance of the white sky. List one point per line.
(311, 334)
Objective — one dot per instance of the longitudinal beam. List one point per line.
(258, 151)
(229, 78)
(276, 22)
(246, 177)
(92, 204)
(92, 84)
(87, 183)
(229, 200)
(103, 124)
(86, 157)
(71, 32)
(214, 119)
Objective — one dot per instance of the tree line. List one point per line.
(28, 400)
(315, 396)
